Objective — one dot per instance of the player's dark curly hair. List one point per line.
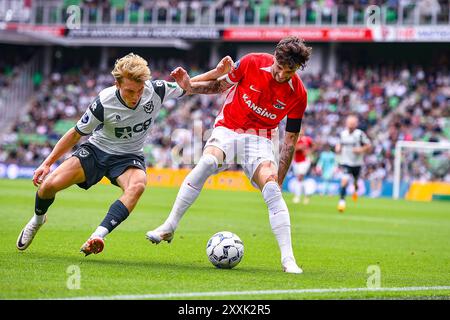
(292, 52)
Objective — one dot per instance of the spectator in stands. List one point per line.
(394, 103)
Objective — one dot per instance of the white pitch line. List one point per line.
(256, 292)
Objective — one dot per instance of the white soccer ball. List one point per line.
(225, 250)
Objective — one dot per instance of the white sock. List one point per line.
(100, 232)
(38, 219)
(298, 189)
(279, 218)
(190, 189)
(302, 188)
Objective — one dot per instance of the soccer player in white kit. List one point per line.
(117, 121)
(353, 144)
(264, 89)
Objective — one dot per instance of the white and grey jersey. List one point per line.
(118, 129)
(348, 141)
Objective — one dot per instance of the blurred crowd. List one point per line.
(393, 103)
(280, 10)
(6, 76)
(237, 11)
(10, 64)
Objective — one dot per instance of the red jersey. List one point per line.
(304, 143)
(257, 102)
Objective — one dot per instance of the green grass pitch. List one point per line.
(408, 241)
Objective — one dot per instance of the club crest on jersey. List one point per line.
(85, 118)
(148, 107)
(83, 153)
(280, 105)
(118, 117)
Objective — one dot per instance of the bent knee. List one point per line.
(272, 177)
(209, 163)
(48, 188)
(215, 152)
(266, 172)
(136, 189)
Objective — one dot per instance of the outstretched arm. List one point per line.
(222, 68)
(363, 149)
(287, 152)
(65, 144)
(206, 87)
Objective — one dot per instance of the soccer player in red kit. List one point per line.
(301, 165)
(263, 89)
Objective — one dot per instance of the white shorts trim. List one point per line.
(247, 150)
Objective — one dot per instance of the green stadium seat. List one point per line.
(391, 15)
(264, 8)
(134, 16)
(118, 4)
(61, 126)
(67, 3)
(32, 138)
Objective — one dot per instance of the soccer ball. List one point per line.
(225, 250)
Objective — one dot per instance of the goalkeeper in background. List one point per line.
(326, 166)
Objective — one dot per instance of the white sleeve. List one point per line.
(364, 139)
(167, 90)
(173, 91)
(91, 119)
(340, 137)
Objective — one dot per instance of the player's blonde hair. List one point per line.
(132, 67)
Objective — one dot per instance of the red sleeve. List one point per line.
(299, 109)
(239, 69)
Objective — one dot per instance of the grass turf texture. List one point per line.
(409, 241)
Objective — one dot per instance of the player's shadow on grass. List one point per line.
(153, 265)
(187, 266)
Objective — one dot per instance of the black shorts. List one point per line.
(354, 171)
(98, 164)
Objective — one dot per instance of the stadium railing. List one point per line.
(121, 12)
(18, 92)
